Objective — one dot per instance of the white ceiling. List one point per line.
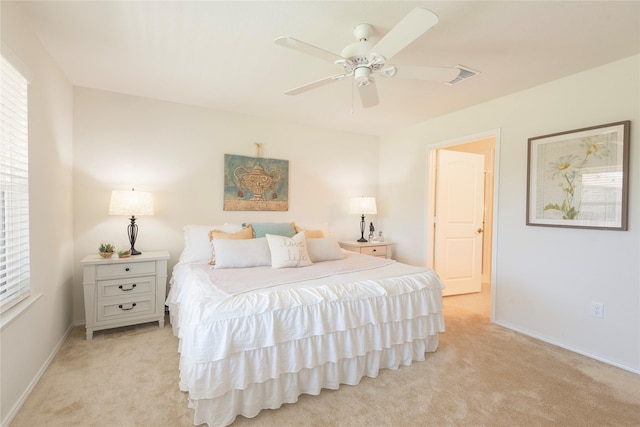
(220, 54)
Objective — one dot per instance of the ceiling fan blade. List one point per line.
(412, 26)
(315, 84)
(307, 48)
(439, 74)
(368, 94)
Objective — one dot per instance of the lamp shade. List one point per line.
(131, 203)
(363, 206)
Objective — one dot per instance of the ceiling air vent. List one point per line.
(465, 73)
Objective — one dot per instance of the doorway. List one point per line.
(484, 145)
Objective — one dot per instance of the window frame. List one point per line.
(15, 263)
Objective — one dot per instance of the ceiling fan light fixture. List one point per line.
(361, 75)
(388, 71)
(362, 59)
(376, 59)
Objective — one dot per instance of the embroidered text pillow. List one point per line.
(288, 251)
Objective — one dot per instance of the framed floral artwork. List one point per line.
(579, 178)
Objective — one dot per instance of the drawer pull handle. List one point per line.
(126, 269)
(374, 250)
(127, 309)
(127, 290)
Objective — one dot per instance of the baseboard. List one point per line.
(567, 347)
(23, 398)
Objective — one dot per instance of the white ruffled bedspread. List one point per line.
(233, 281)
(264, 347)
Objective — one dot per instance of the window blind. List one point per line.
(14, 187)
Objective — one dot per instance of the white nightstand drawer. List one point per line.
(373, 248)
(133, 307)
(125, 269)
(124, 287)
(124, 291)
(375, 251)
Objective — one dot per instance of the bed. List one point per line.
(264, 318)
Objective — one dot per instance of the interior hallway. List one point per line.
(478, 303)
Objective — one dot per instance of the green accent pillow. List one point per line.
(278, 228)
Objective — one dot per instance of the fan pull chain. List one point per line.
(352, 96)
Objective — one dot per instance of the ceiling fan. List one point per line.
(363, 59)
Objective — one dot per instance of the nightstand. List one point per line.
(379, 249)
(124, 291)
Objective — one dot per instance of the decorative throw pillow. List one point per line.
(245, 233)
(261, 229)
(241, 253)
(324, 249)
(288, 251)
(197, 246)
(313, 231)
(309, 233)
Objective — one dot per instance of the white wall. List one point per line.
(33, 337)
(545, 278)
(177, 152)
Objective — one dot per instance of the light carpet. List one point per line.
(481, 375)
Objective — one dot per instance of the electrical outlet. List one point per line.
(597, 309)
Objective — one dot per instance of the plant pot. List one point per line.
(106, 254)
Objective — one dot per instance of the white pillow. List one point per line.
(241, 253)
(197, 246)
(288, 251)
(324, 249)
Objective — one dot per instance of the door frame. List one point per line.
(431, 200)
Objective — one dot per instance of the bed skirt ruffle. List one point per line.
(273, 393)
(237, 362)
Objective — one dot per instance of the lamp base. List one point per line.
(362, 239)
(132, 231)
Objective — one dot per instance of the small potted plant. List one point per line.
(124, 254)
(106, 250)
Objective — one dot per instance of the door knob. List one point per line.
(479, 230)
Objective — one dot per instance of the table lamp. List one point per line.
(131, 203)
(363, 206)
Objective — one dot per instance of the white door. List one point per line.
(459, 221)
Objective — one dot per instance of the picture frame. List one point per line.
(580, 178)
(255, 184)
